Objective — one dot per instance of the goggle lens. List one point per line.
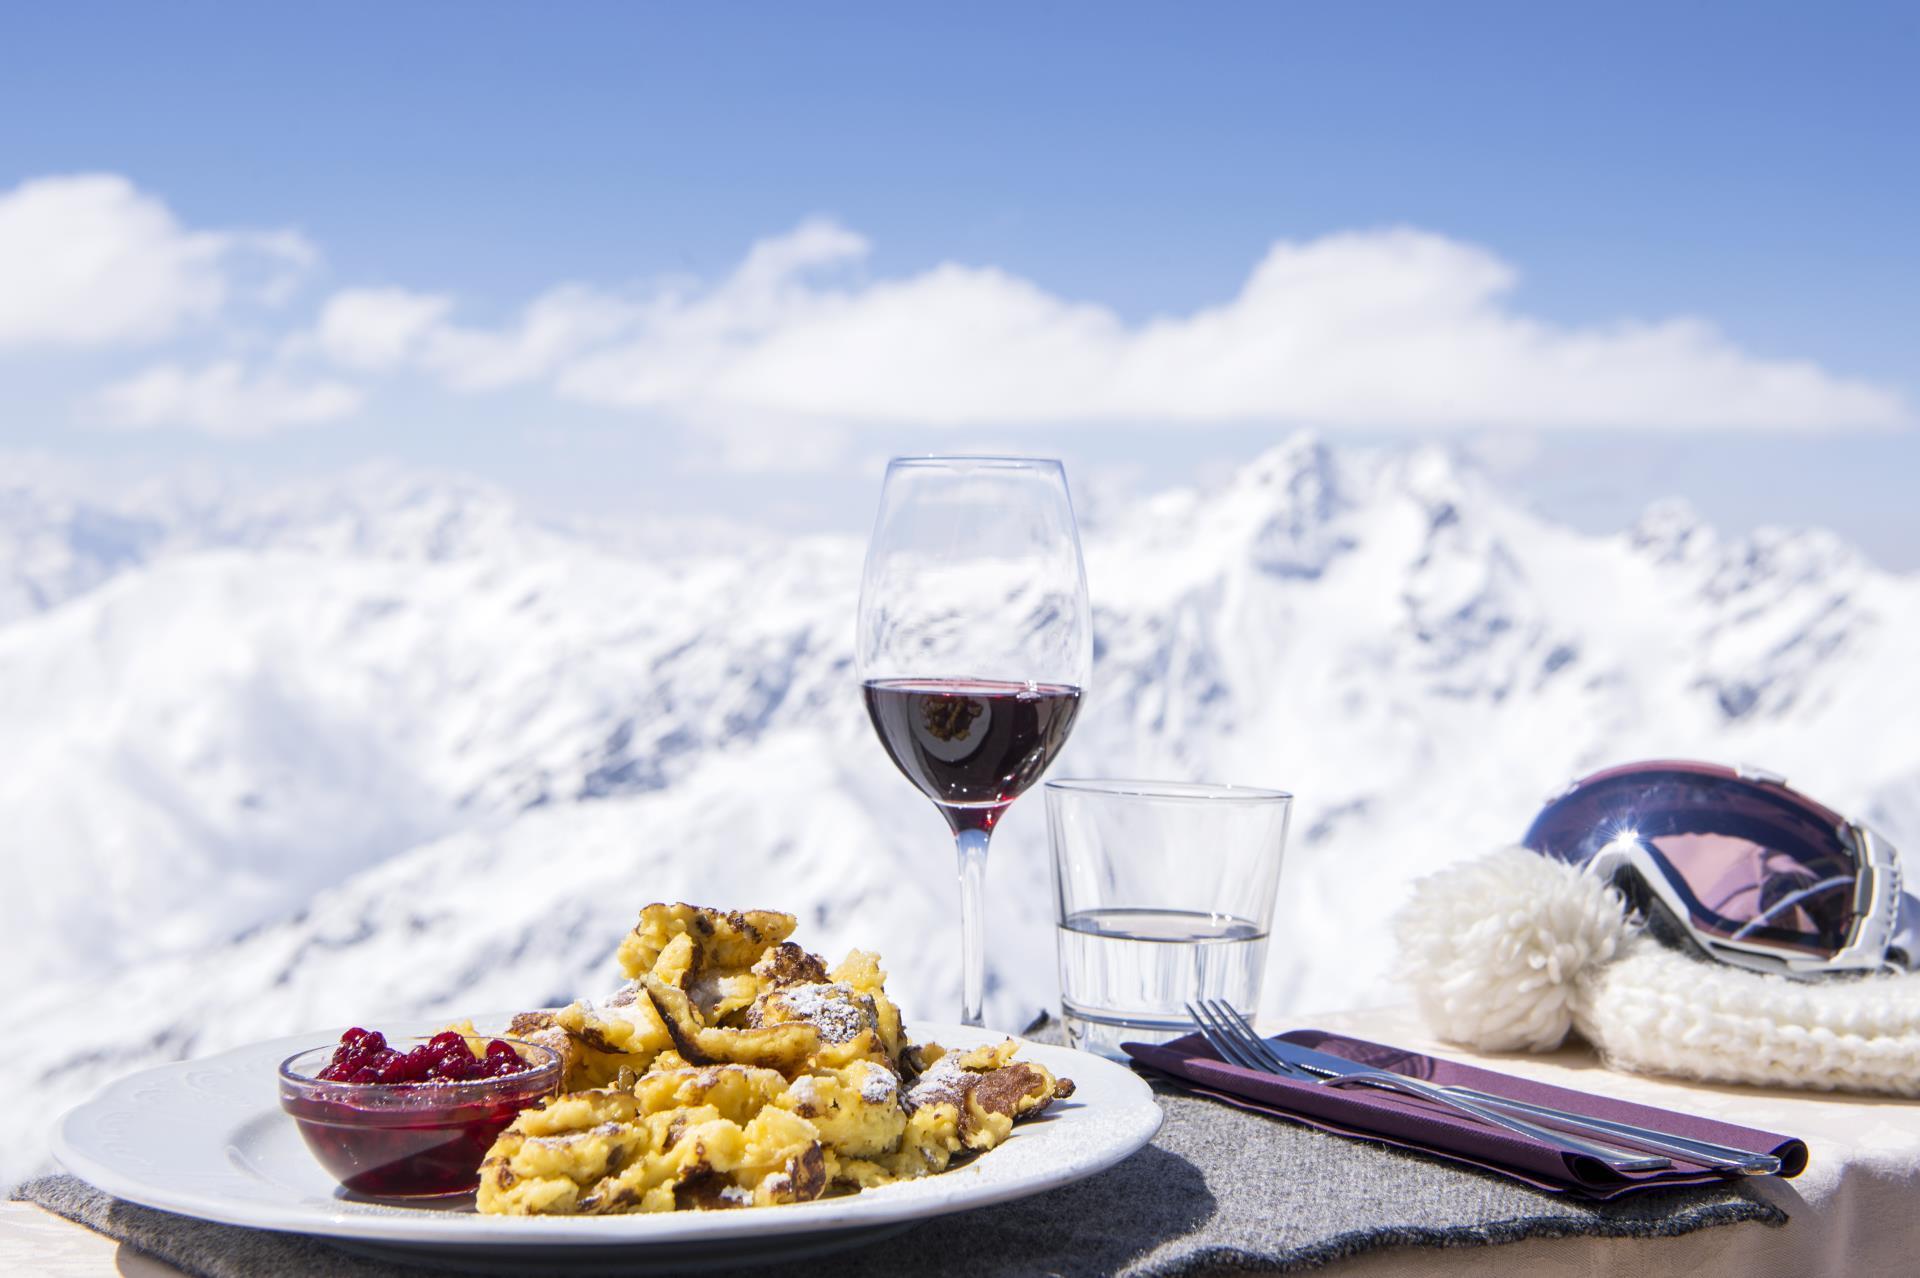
(1752, 862)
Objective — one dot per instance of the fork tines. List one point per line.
(1228, 1033)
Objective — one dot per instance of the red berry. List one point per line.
(348, 1059)
(385, 1066)
(357, 1051)
(504, 1065)
(363, 1056)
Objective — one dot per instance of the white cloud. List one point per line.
(1390, 328)
(1395, 328)
(554, 328)
(749, 443)
(378, 328)
(91, 260)
(772, 263)
(223, 398)
(385, 328)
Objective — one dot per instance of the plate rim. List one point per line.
(453, 1230)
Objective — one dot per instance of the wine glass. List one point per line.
(975, 641)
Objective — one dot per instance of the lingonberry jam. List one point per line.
(390, 1123)
(363, 1056)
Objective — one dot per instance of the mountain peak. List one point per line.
(1296, 491)
(1300, 477)
(1671, 531)
(1302, 457)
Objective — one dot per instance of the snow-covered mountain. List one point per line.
(387, 745)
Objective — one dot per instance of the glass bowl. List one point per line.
(409, 1140)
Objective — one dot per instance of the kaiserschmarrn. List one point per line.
(735, 1069)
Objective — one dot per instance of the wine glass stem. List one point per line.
(972, 848)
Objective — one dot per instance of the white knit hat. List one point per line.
(1515, 949)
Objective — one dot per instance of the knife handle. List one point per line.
(1746, 1162)
(1610, 1156)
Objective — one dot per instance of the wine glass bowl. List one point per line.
(975, 640)
(972, 745)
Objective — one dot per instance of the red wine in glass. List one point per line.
(971, 745)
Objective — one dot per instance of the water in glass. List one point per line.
(1128, 974)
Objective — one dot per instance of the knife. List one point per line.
(1730, 1158)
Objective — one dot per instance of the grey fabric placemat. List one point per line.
(1218, 1191)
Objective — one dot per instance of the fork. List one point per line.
(1237, 1042)
(1726, 1158)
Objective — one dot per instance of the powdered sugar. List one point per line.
(632, 1013)
(878, 1086)
(944, 1081)
(834, 1009)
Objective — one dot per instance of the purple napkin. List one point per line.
(1412, 1123)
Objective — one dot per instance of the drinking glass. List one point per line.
(1163, 895)
(975, 641)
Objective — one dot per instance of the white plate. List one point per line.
(207, 1138)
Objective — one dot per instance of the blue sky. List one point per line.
(1555, 177)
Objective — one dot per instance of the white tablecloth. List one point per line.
(1855, 1210)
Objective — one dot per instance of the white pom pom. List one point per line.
(1494, 949)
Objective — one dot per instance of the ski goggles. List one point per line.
(1735, 866)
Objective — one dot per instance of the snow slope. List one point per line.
(385, 745)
